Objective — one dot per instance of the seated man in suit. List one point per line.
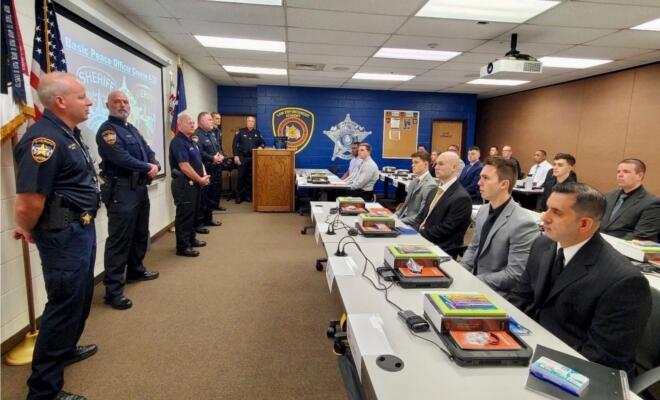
(362, 182)
(418, 189)
(632, 212)
(562, 171)
(469, 177)
(446, 214)
(577, 286)
(504, 231)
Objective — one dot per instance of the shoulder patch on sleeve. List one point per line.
(42, 149)
(109, 136)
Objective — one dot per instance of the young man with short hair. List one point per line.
(562, 171)
(632, 212)
(503, 232)
(418, 190)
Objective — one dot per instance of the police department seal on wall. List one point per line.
(294, 123)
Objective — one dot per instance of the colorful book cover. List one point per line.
(405, 249)
(427, 272)
(647, 246)
(493, 340)
(466, 304)
(379, 212)
(376, 228)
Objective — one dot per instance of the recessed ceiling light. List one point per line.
(516, 11)
(254, 70)
(241, 44)
(567, 62)
(260, 2)
(382, 77)
(497, 82)
(415, 54)
(649, 26)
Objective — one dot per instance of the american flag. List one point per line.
(48, 53)
(178, 101)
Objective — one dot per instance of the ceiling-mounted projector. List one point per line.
(512, 64)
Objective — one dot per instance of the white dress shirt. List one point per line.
(538, 172)
(571, 251)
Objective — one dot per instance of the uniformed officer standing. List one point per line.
(188, 177)
(212, 158)
(245, 141)
(224, 165)
(56, 202)
(128, 165)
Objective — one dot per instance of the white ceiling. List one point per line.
(344, 34)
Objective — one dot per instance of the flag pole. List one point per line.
(22, 353)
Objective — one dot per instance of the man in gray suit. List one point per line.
(418, 189)
(504, 231)
(632, 212)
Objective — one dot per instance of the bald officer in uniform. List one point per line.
(56, 202)
(128, 166)
(188, 177)
(245, 141)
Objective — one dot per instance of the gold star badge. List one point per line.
(109, 136)
(86, 218)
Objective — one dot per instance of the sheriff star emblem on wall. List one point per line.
(343, 134)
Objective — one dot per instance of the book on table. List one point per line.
(466, 304)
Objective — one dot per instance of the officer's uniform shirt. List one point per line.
(52, 158)
(208, 145)
(184, 149)
(247, 140)
(123, 149)
(218, 136)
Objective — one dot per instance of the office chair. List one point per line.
(350, 378)
(648, 350)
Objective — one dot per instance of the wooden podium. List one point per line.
(273, 180)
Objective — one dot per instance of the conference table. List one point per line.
(374, 327)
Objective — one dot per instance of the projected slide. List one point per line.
(103, 67)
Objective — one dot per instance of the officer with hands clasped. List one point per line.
(57, 196)
(245, 141)
(188, 177)
(212, 158)
(128, 166)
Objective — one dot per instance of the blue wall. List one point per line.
(330, 107)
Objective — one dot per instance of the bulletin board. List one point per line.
(400, 130)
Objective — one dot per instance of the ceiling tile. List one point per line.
(422, 42)
(321, 59)
(459, 66)
(262, 80)
(422, 87)
(360, 84)
(453, 28)
(387, 7)
(224, 29)
(149, 8)
(465, 88)
(474, 58)
(595, 15)
(156, 24)
(342, 21)
(629, 38)
(330, 49)
(335, 37)
(501, 47)
(250, 63)
(611, 53)
(321, 75)
(295, 82)
(555, 34)
(390, 70)
(246, 54)
(225, 12)
(413, 65)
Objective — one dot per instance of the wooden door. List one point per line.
(446, 133)
(230, 126)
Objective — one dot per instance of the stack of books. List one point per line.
(351, 205)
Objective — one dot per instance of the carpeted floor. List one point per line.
(245, 320)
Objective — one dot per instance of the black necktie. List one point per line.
(618, 204)
(557, 266)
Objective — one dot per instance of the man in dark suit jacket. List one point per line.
(562, 171)
(579, 287)
(446, 214)
(470, 175)
(632, 212)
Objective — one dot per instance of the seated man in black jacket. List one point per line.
(577, 286)
(562, 171)
(446, 214)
